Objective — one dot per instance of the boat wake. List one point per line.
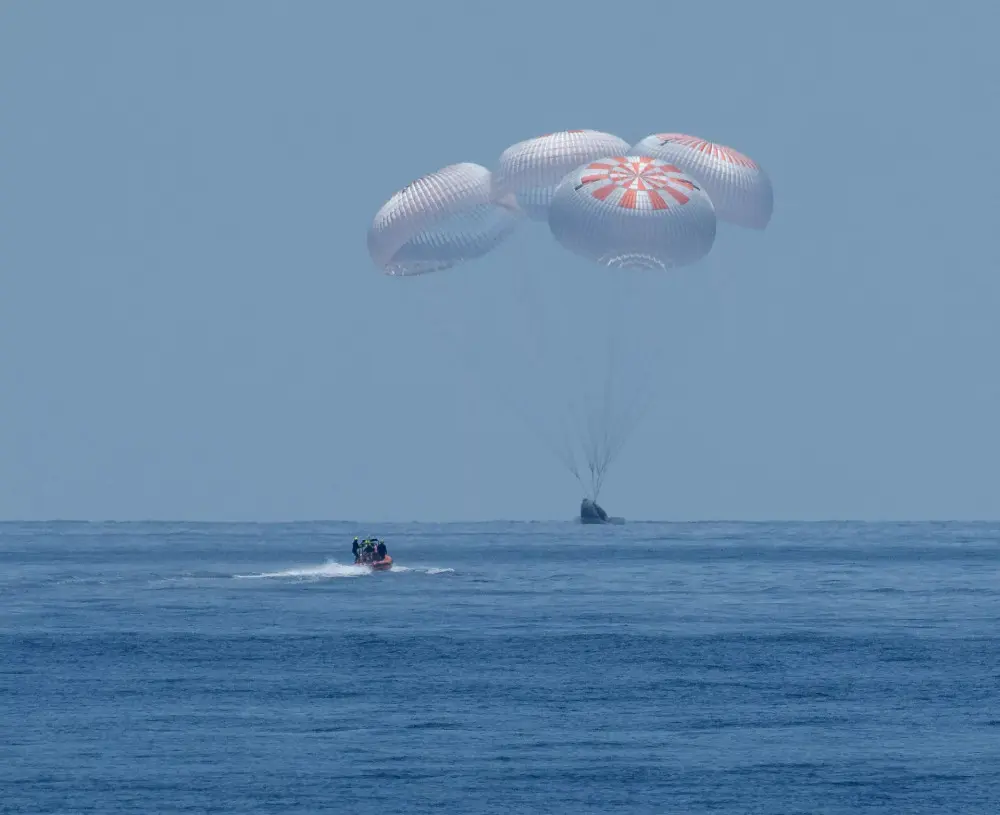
(332, 570)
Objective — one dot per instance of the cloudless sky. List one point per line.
(191, 327)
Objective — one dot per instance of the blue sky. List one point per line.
(190, 326)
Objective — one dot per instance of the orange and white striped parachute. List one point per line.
(633, 212)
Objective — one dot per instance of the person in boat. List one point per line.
(380, 551)
(356, 549)
(369, 551)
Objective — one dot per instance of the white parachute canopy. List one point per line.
(531, 170)
(739, 188)
(441, 219)
(633, 212)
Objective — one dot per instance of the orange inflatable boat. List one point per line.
(382, 565)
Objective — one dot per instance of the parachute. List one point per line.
(441, 219)
(738, 187)
(531, 170)
(631, 211)
(652, 207)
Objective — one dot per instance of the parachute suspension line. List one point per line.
(505, 396)
(604, 444)
(584, 432)
(527, 295)
(564, 441)
(470, 353)
(601, 440)
(617, 410)
(525, 291)
(604, 455)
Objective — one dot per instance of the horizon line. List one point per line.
(286, 521)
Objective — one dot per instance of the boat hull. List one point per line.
(382, 565)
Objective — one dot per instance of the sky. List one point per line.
(191, 326)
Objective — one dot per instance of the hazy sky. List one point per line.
(190, 325)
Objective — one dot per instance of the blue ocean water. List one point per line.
(499, 668)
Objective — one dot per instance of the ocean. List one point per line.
(500, 668)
